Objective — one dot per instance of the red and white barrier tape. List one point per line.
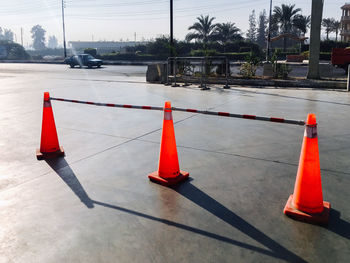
(223, 114)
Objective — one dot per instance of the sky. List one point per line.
(116, 20)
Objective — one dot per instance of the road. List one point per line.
(97, 204)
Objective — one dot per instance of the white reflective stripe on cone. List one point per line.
(47, 104)
(168, 116)
(311, 131)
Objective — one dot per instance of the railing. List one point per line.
(196, 69)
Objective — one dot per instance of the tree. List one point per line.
(251, 34)
(53, 42)
(274, 28)
(302, 23)
(6, 34)
(336, 28)
(328, 23)
(160, 46)
(203, 30)
(226, 32)
(14, 51)
(262, 29)
(38, 36)
(284, 17)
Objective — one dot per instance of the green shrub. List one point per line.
(323, 55)
(236, 56)
(248, 69)
(245, 49)
(130, 56)
(305, 54)
(280, 70)
(204, 53)
(230, 55)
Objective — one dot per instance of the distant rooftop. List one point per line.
(346, 6)
(102, 44)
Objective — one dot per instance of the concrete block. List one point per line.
(268, 70)
(156, 73)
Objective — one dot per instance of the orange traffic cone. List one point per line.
(306, 204)
(168, 171)
(49, 147)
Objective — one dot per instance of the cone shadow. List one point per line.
(338, 225)
(214, 207)
(62, 168)
(191, 229)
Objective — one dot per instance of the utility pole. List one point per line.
(22, 36)
(64, 31)
(315, 39)
(269, 35)
(135, 37)
(171, 30)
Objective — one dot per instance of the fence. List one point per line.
(197, 70)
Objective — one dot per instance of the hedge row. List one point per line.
(140, 57)
(323, 55)
(131, 56)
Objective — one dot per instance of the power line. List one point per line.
(160, 14)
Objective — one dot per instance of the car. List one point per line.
(83, 60)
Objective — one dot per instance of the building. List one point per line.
(345, 23)
(102, 46)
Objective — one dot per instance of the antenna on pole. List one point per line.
(64, 30)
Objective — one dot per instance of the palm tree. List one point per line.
(203, 30)
(226, 32)
(284, 16)
(327, 23)
(336, 28)
(302, 23)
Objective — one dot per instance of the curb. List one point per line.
(305, 83)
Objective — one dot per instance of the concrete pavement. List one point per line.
(97, 205)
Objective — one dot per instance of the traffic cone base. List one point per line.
(168, 172)
(154, 177)
(316, 218)
(49, 155)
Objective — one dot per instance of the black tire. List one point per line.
(89, 66)
(71, 65)
(99, 65)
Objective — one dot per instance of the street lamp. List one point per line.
(269, 35)
(64, 31)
